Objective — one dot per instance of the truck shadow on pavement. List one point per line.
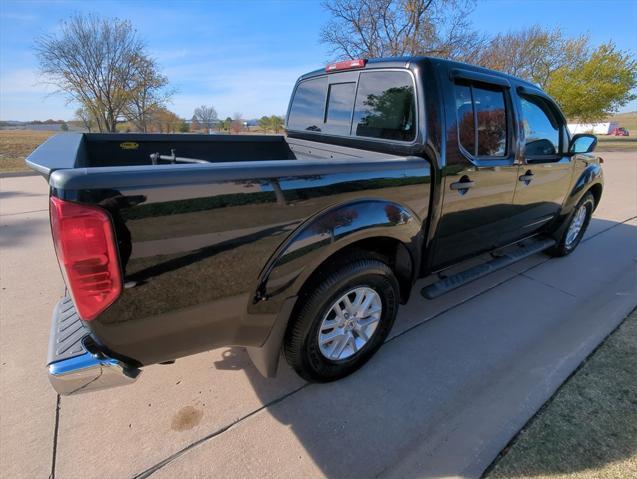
(17, 229)
(435, 386)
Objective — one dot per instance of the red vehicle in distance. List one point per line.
(620, 132)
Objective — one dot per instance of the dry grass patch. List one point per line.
(16, 145)
(589, 429)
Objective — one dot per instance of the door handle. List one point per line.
(527, 177)
(463, 185)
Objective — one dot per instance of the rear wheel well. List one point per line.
(596, 191)
(389, 250)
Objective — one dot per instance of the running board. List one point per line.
(460, 279)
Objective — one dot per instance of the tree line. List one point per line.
(590, 83)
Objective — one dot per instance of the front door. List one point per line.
(545, 174)
(480, 174)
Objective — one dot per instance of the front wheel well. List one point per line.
(596, 191)
(389, 250)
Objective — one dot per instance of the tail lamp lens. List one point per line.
(87, 252)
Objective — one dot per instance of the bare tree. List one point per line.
(237, 126)
(84, 115)
(381, 28)
(534, 53)
(205, 116)
(97, 62)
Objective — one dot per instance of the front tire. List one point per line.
(575, 227)
(343, 319)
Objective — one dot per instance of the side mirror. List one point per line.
(582, 143)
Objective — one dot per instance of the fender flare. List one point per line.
(328, 232)
(591, 175)
(313, 243)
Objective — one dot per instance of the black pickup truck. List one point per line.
(391, 170)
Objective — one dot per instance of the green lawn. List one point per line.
(589, 428)
(617, 143)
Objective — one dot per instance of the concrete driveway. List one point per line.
(457, 379)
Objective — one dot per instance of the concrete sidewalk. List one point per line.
(457, 379)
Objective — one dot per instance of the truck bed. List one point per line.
(91, 150)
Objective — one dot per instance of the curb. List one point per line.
(17, 174)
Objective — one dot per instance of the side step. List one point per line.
(460, 279)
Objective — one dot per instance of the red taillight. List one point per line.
(346, 65)
(87, 252)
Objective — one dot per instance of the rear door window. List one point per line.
(482, 120)
(308, 105)
(385, 106)
(340, 103)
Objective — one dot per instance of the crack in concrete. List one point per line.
(547, 284)
(23, 212)
(55, 436)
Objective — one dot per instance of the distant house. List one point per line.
(595, 128)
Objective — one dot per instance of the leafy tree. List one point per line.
(206, 117)
(98, 62)
(184, 127)
(64, 127)
(597, 87)
(533, 53)
(164, 121)
(276, 123)
(264, 123)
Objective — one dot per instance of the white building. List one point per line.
(595, 128)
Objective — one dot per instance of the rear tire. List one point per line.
(331, 336)
(575, 227)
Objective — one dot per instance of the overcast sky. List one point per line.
(244, 56)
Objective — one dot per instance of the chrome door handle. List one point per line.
(463, 185)
(526, 177)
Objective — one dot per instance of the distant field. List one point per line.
(617, 143)
(15, 146)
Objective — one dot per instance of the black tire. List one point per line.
(301, 344)
(563, 247)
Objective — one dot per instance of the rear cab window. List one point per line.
(307, 109)
(340, 101)
(385, 106)
(370, 104)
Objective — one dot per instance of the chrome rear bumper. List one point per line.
(89, 372)
(72, 368)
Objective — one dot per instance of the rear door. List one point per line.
(545, 174)
(480, 172)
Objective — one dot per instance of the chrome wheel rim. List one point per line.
(576, 225)
(350, 323)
